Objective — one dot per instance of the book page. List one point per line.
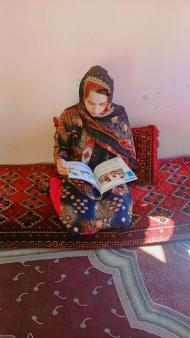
(112, 173)
(81, 171)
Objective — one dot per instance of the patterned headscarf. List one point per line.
(110, 129)
(96, 78)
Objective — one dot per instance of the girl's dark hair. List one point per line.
(103, 91)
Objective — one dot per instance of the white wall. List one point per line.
(47, 45)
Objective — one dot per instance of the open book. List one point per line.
(105, 176)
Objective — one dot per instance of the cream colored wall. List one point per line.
(47, 45)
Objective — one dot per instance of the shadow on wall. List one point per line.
(34, 144)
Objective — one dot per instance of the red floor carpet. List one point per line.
(27, 218)
(120, 293)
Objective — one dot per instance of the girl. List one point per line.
(92, 131)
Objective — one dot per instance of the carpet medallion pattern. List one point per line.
(120, 293)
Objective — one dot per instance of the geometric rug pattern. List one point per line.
(27, 219)
(140, 292)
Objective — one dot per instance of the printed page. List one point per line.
(81, 171)
(112, 173)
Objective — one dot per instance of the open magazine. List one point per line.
(105, 176)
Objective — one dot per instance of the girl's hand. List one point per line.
(62, 167)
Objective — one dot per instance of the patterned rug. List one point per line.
(119, 293)
(27, 218)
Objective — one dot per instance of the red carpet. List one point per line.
(121, 293)
(27, 218)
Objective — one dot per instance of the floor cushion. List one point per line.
(28, 219)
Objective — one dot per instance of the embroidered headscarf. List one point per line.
(111, 128)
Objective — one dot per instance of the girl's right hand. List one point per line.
(62, 167)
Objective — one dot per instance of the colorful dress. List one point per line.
(81, 137)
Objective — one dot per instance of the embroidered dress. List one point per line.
(92, 140)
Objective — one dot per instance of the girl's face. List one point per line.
(95, 103)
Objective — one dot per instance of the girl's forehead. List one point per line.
(96, 97)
